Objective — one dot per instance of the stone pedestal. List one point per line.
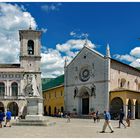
(34, 115)
(34, 108)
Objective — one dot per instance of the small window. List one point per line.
(14, 89)
(85, 56)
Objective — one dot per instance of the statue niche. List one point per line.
(93, 89)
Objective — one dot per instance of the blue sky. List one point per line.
(66, 23)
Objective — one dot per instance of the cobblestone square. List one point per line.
(77, 128)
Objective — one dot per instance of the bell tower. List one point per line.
(30, 50)
(30, 57)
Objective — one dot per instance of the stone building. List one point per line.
(97, 82)
(18, 81)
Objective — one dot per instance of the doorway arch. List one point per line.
(13, 107)
(49, 110)
(115, 106)
(84, 97)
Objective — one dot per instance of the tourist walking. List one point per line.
(1, 118)
(121, 116)
(128, 118)
(94, 116)
(107, 122)
(8, 118)
(97, 116)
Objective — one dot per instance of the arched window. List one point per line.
(14, 89)
(2, 89)
(31, 47)
(123, 83)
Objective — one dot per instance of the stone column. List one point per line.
(5, 109)
(125, 108)
(133, 111)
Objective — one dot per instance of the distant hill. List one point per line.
(53, 83)
(45, 80)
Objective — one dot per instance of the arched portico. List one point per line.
(131, 101)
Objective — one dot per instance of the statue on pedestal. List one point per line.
(31, 88)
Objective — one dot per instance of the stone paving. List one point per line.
(77, 128)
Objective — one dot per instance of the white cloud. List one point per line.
(72, 33)
(125, 57)
(51, 7)
(52, 63)
(78, 35)
(133, 58)
(135, 63)
(12, 19)
(53, 60)
(44, 30)
(73, 44)
(135, 52)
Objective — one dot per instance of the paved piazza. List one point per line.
(77, 128)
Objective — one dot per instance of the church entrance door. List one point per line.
(85, 106)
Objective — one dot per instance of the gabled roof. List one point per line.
(53, 83)
(90, 49)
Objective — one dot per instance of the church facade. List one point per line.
(18, 81)
(97, 82)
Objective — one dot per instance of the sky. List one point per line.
(66, 25)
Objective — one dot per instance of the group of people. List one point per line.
(8, 115)
(107, 122)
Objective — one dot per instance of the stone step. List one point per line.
(33, 123)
